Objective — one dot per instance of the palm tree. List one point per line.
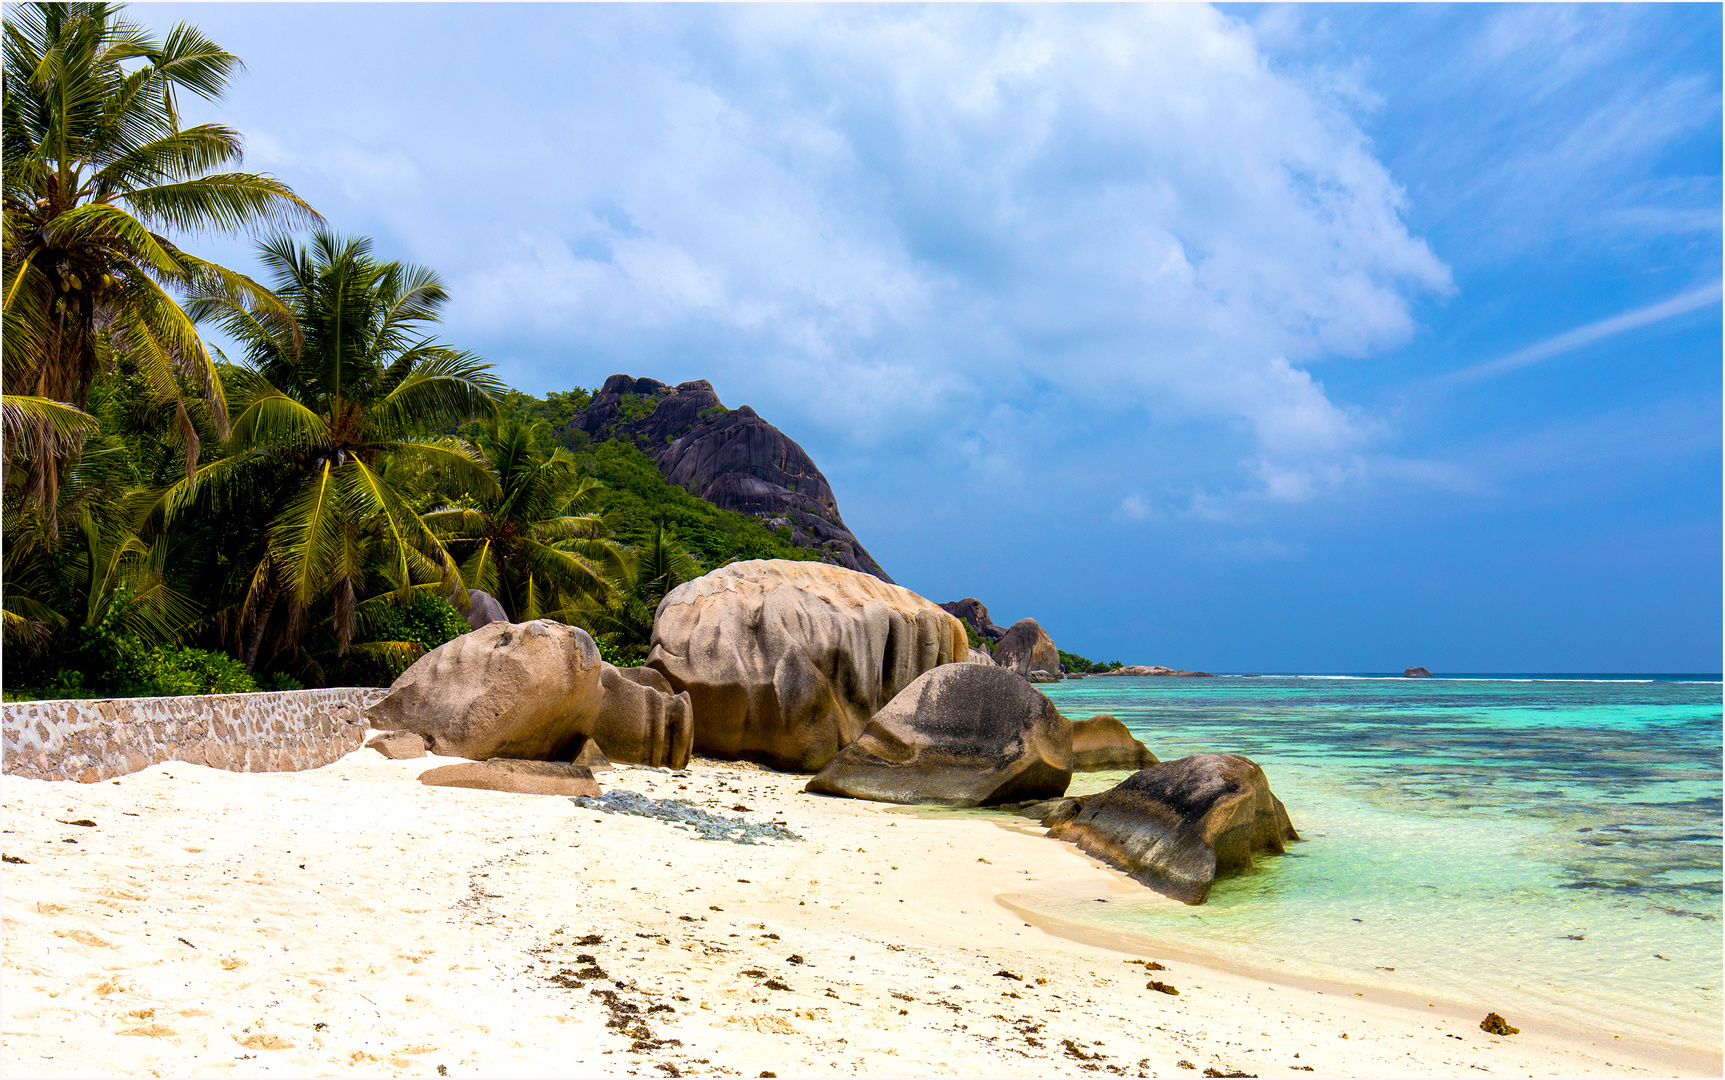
(623, 617)
(117, 572)
(325, 413)
(537, 543)
(96, 164)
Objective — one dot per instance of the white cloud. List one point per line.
(910, 211)
(1583, 336)
(962, 228)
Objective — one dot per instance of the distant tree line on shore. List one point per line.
(314, 509)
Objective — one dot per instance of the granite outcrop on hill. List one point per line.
(732, 458)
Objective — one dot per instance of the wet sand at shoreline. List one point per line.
(352, 920)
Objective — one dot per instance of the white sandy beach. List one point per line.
(350, 920)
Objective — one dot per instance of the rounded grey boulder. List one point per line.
(483, 609)
(960, 735)
(1102, 744)
(1179, 825)
(1026, 648)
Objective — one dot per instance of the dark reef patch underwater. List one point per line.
(1553, 844)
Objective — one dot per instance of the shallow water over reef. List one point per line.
(1549, 847)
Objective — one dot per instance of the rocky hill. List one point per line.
(732, 458)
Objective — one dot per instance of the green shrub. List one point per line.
(637, 499)
(427, 622)
(619, 655)
(1083, 664)
(136, 670)
(167, 670)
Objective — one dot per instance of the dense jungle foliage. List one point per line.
(314, 509)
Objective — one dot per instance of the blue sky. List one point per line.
(1253, 338)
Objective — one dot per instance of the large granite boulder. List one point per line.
(1026, 647)
(979, 656)
(733, 458)
(1103, 744)
(960, 735)
(483, 609)
(521, 777)
(641, 719)
(512, 690)
(785, 661)
(1180, 825)
(975, 613)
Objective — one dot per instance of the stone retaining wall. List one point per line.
(94, 740)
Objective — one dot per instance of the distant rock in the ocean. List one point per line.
(1180, 825)
(1156, 671)
(1026, 647)
(960, 735)
(1417, 673)
(732, 458)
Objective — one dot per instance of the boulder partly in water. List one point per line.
(1155, 671)
(1179, 825)
(785, 662)
(1026, 647)
(1103, 744)
(960, 735)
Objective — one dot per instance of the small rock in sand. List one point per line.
(398, 745)
(515, 775)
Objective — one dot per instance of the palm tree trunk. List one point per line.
(261, 617)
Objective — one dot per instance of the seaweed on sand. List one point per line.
(706, 825)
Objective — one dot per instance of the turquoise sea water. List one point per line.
(1543, 845)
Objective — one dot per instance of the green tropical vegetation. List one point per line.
(314, 508)
(1083, 665)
